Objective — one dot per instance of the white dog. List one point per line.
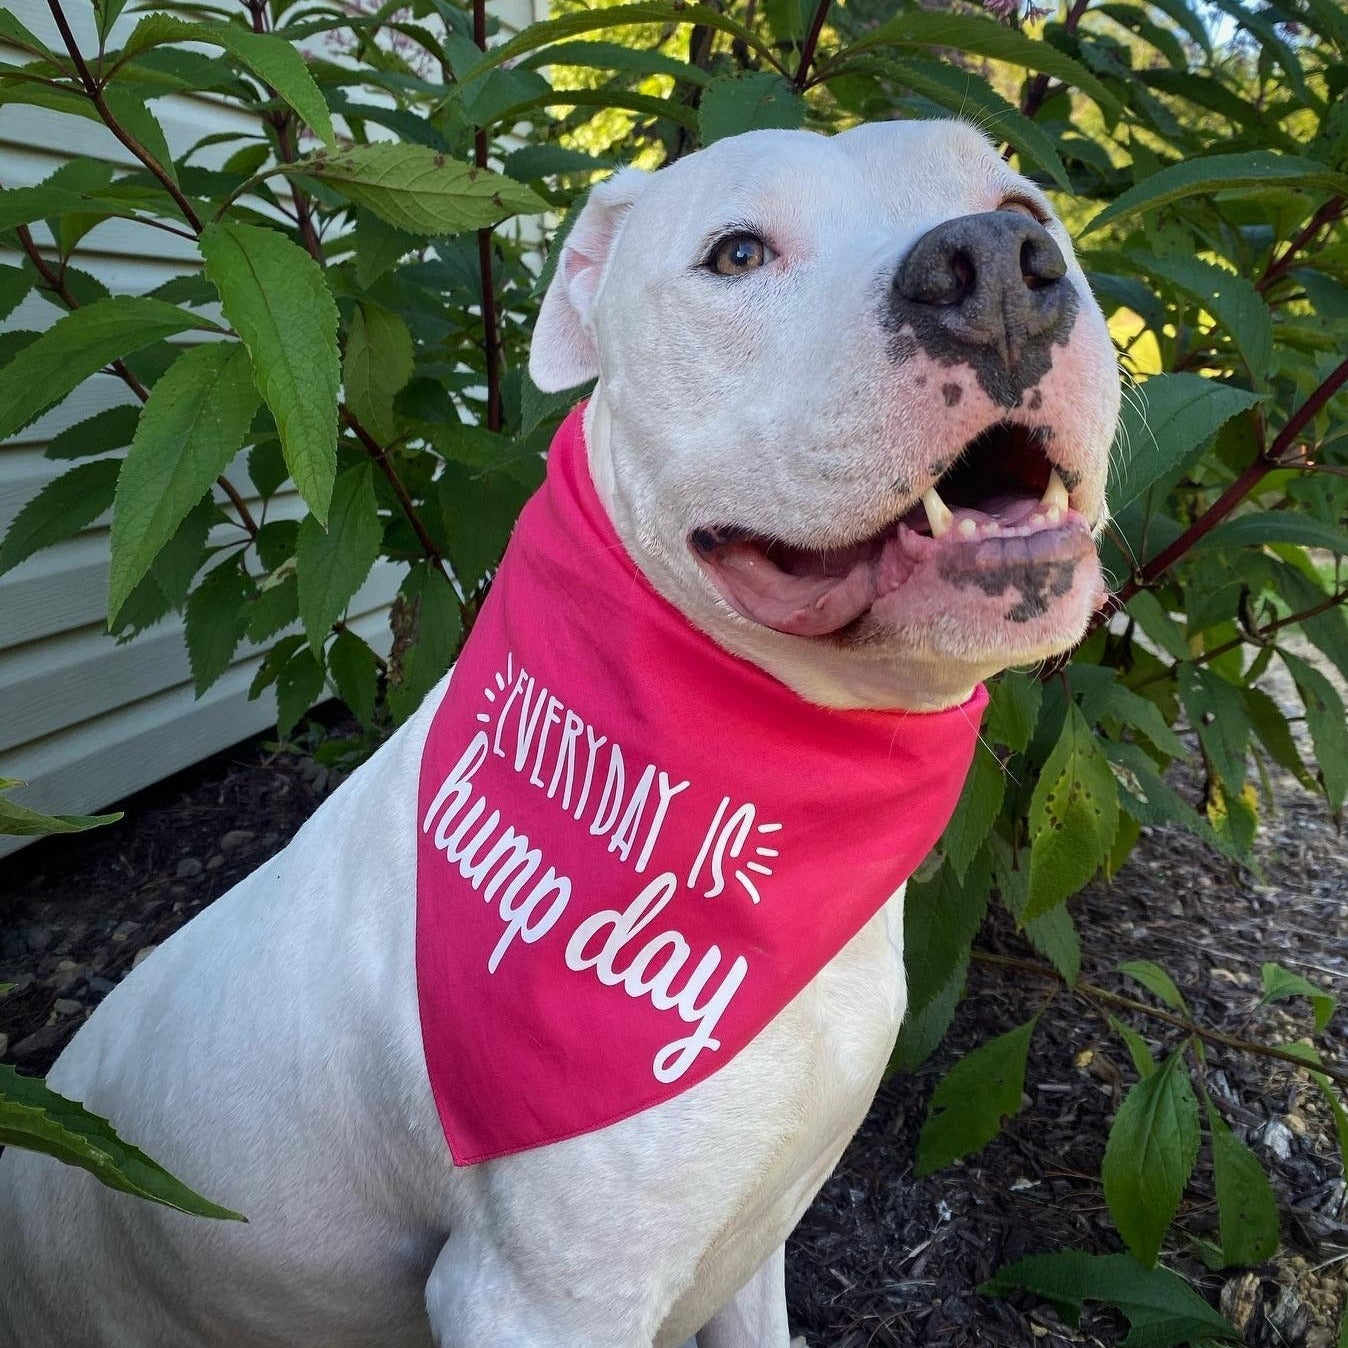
(852, 419)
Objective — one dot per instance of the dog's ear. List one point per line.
(564, 353)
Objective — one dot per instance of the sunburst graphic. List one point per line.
(502, 681)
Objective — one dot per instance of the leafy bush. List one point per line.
(367, 285)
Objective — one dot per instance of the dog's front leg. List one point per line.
(755, 1317)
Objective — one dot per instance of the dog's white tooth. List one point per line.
(1055, 494)
(1053, 514)
(967, 528)
(938, 513)
(991, 527)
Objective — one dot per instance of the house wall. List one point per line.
(84, 721)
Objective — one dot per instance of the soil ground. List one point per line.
(882, 1258)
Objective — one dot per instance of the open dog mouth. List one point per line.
(1001, 511)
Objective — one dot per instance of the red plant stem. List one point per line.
(95, 93)
(491, 336)
(1036, 92)
(58, 287)
(1234, 494)
(1328, 212)
(807, 50)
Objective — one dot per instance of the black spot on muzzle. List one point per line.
(988, 291)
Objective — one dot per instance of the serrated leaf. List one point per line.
(1216, 710)
(378, 363)
(332, 564)
(753, 100)
(354, 668)
(1231, 299)
(438, 623)
(274, 295)
(18, 821)
(213, 623)
(1271, 726)
(420, 190)
(1219, 173)
(79, 345)
(1054, 935)
(976, 35)
(973, 1098)
(35, 1117)
(1143, 1062)
(15, 283)
(1163, 428)
(1280, 984)
(977, 810)
(1013, 711)
(1259, 527)
(62, 508)
(1247, 1212)
(1162, 1310)
(110, 429)
(1152, 1146)
(1156, 981)
(969, 95)
(1074, 815)
(1327, 723)
(922, 1029)
(270, 57)
(378, 246)
(941, 916)
(299, 684)
(1115, 701)
(1158, 625)
(193, 424)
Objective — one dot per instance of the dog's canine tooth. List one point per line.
(938, 513)
(1055, 494)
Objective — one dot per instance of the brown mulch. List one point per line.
(882, 1258)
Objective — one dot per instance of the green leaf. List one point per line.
(1143, 1062)
(378, 246)
(1014, 709)
(332, 564)
(752, 100)
(213, 622)
(78, 345)
(1259, 527)
(941, 916)
(1231, 299)
(1219, 173)
(1074, 814)
(299, 684)
(538, 35)
(1280, 984)
(979, 804)
(1152, 1146)
(1270, 724)
(1163, 428)
(1216, 710)
(1247, 1212)
(62, 508)
(1327, 723)
(975, 35)
(110, 429)
(922, 1030)
(1156, 981)
(973, 1098)
(14, 33)
(968, 95)
(275, 296)
(18, 821)
(35, 1117)
(1157, 623)
(1054, 935)
(193, 424)
(15, 283)
(420, 190)
(1115, 701)
(437, 625)
(270, 57)
(354, 668)
(378, 363)
(1162, 1309)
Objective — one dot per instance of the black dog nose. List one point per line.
(995, 280)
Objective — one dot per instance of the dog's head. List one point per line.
(855, 403)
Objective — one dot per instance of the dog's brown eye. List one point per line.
(738, 254)
(1024, 206)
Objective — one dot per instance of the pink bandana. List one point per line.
(635, 849)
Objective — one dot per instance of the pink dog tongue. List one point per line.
(805, 605)
(633, 849)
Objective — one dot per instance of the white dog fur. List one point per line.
(270, 1052)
